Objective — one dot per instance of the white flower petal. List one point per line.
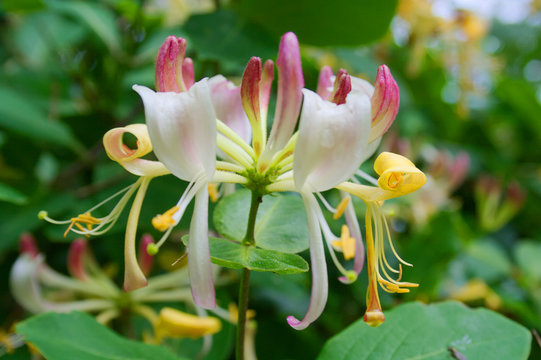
(332, 140)
(182, 128)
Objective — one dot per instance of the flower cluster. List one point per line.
(212, 131)
(39, 288)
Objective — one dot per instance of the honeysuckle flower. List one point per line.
(188, 124)
(131, 160)
(39, 288)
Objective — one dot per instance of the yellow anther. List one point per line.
(86, 219)
(174, 323)
(346, 243)
(341, 207)
(42, 214)
(163, 221)
(234, 313)
(213, 192)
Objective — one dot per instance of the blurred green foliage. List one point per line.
(66, 71)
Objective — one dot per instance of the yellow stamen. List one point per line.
(346, 243)
(213, 192)
(85, 219)
(163, 221)
(341, 207)
(174, 323)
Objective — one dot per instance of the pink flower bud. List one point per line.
(27, 245)
(385, 102)
(145, 260)
(342, 87)
(76, 255)
(169, 66)
(324, 83)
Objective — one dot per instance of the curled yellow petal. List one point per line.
(398, 174)
(174, 323)
(129, 158)
(118, 151)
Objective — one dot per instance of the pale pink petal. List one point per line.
(27, 245)
(249, 90)
(332, 140)
(265, 87)
(319, 294)
(187, 73)
(227, 103)
(182, 128)
(325, 83)
(199, 265)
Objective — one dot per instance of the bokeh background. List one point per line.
(469, 73)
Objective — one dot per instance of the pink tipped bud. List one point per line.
(169, 65)
(488, 185)
(342, 87)
(459, 169)
(145, 260)
(265, 85)
(187, 73)
(324, 83)
(515, 194)
(27, 245)
(385, 102)
(249, 90)
(76, 262)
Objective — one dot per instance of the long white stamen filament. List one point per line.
(232, 135)
(390, 239)
(329, 237)
(236, 152)
(325, 203)
(366, 177)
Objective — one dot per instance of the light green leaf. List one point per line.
(78, 336)
(323, 22)
(11, 195)
(19, 115)
(528, 254)
(228, 253)
(429, 332)
(281, 223)
(488, 260)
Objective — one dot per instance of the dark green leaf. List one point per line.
(322, 22)
(417, 331)
(19, 115)
(281, 223)
(78, 336)
(11, 195)
(22, 5)
(226, 37)
(228, 253)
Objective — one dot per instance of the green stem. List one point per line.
(244, 286)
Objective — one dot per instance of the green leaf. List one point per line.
(19, 115)
(323, 22)
(528, 254)
(11, 195)
(281, 222)
(98, 18)
(224, 36)
(487, 260)
(417, 331)
(22, 5)
(78, 336)
(228, 253)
